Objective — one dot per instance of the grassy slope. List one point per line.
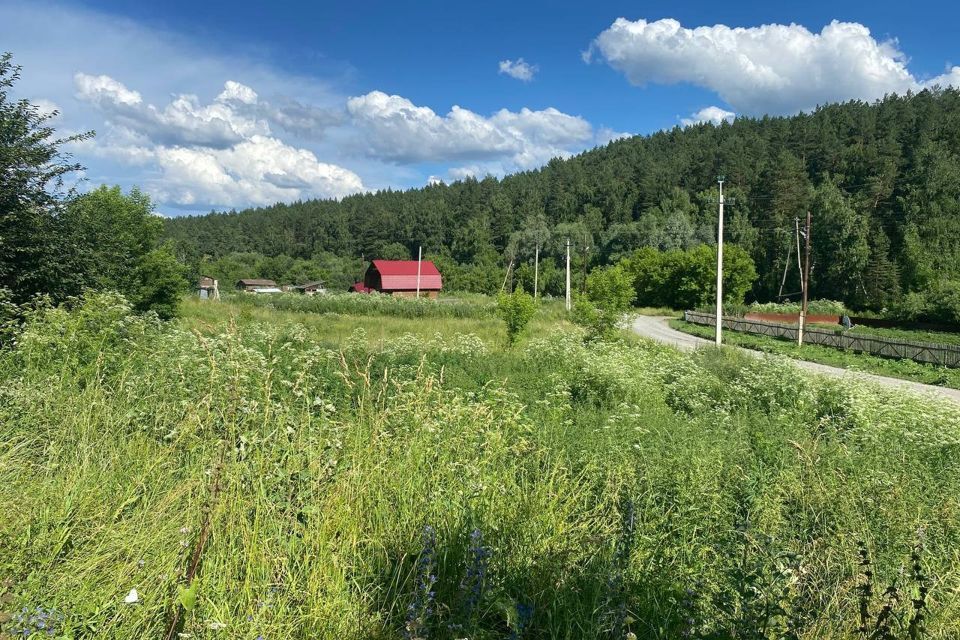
(742, 477)
(905, 369)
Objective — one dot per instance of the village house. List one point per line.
(401, 278)
(208, 288)
(309, 288)
(258, 285)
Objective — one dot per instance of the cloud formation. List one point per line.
(519, 69)
(260, 170)
(217, 154)
(714, 115)
(394, 128)
(767, 69)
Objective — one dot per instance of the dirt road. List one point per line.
(656, 327)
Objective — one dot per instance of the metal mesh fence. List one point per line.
(929, 353)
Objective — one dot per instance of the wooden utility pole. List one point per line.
(806, 282)
(568, 274)
(506, 275)
(786, 265)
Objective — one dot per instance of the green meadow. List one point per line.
(278, 470)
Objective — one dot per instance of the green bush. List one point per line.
(516, 310)
(939, 303)
(609, 294)
(688, 279)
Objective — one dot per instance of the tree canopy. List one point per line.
(58, 243)
(882, 181)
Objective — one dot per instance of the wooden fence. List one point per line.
(942, 354)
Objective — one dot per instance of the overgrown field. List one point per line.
(374, 304)
(447, 487)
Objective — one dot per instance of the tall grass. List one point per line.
(445, 487)
(370, 304)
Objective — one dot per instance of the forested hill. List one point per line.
(882, 182)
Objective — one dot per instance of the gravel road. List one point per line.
(656, 327)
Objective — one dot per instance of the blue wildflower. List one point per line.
(420, 609)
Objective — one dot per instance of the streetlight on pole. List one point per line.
(720, 265)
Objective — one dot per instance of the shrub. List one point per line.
(609, 294)
(688, 279)
(516, 310)
(938, 303)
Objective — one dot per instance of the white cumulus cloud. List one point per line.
(714, 115)
(104, 89)
(772, 68)
(519, 69)
(394, 128)
(260, 171)
(606, 135)
(217, 154)
(236, 114)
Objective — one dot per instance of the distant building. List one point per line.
(359, 287)
(208, 288)
(258, 285)
(400, 278)
(309, 288)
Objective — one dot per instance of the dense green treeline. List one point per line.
(57, 243)
(882, 181)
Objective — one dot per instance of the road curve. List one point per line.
(656, 328)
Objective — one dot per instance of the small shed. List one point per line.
(208, 288)
(309, 288)
(403, 278)
(257, 284)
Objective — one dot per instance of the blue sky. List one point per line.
(213, 105)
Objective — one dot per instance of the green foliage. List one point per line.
(394, 251)
(372, 304)
(880, 180)
(515, 309)
(35, 253)
(752, 486)
(938, 302)
(158, 283)
(688, 279)
(610, 292)
(187, 597)
(841, 246)
(814, 307)
(61, 244)
(116, 236)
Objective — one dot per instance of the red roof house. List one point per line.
(399, 277)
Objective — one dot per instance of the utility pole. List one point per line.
(568, 274)
(806, 282)
(786, 266)
(720, 266)
(536, 271)
(506, 275)
(419, 261)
